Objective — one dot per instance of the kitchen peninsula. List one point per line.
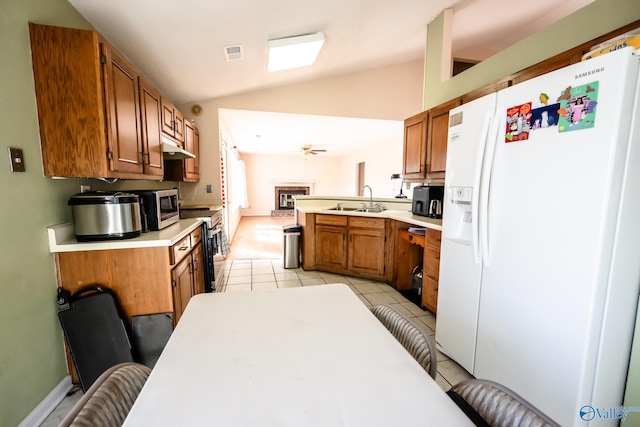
(340, 236)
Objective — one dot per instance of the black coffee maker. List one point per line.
(427, 201)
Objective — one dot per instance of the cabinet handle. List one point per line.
(195, 264)
(146, 158)
(183, 248)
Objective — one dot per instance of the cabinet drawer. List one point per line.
(430, 294)
(431, 262)
(339, 220)
(196, 236)
(412, 238)
(180, 250)
(365, 222)
(433, 238)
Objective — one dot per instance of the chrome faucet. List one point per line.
(370, 195)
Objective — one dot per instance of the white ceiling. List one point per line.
(179, 45)
(280, 133)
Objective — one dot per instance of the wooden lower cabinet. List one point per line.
(142, 278)
(366, 249)
(145, 280)
(431, 269)
(187, 280)
(422, 251)
(350, 245)
(331, 247)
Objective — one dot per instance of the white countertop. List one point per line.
(397, 209)
(293, 357)
(62, 238)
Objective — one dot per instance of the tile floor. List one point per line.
(255, 263)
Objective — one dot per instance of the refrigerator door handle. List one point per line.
(475, 197)
(485, 183)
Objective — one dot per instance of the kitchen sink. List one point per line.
(342, 208)
(373, 209)
(370, 210)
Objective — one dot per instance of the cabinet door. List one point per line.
(430, 294)
(167, 117)
(197, 258)
(366, 251)
(150, 112)
(331, 247)
(190, 165)
(178, 125)
(415, 150)
(182, 286)
(438, 129)
(121, 90)
(431, 270)
(196, 151)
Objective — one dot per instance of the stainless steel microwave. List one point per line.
(158, 208)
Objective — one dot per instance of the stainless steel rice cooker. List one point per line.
(105, 215)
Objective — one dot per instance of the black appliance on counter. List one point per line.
(211, 229)
(427, 201)
(158, 208)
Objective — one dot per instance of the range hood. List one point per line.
(172, 151)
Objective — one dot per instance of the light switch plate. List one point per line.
(16, 157)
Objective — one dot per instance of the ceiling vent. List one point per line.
(233, 52)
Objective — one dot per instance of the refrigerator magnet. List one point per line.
(578, 107)
(518, 123)
(545, 117)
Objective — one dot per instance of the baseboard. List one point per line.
(53, 399)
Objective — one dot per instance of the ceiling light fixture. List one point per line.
(293, 52)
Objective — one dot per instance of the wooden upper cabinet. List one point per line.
(150, 112)
(437, 135)
(415, 148)
(88, 103)
(172, 121)
(191, 144)
(123, 133)
(187, 170)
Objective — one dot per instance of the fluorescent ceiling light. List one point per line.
(293, 52)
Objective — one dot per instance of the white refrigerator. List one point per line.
(540, 258)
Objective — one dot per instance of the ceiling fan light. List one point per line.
(294, 52)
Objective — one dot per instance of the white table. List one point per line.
(310, 356)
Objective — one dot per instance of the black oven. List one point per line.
(212, 227)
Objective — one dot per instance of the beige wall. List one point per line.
(264, 172)
(592, 21)
(31, 354)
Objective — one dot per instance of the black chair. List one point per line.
(414, 339)
(109, 400)
(488, 403)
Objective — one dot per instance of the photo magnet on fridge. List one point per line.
(578, 107)
(545, 117)
(518, 123)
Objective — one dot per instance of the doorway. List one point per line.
(359, 177)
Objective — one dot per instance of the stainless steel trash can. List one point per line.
(291, 235)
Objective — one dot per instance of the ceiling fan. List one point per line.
(307, 150)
